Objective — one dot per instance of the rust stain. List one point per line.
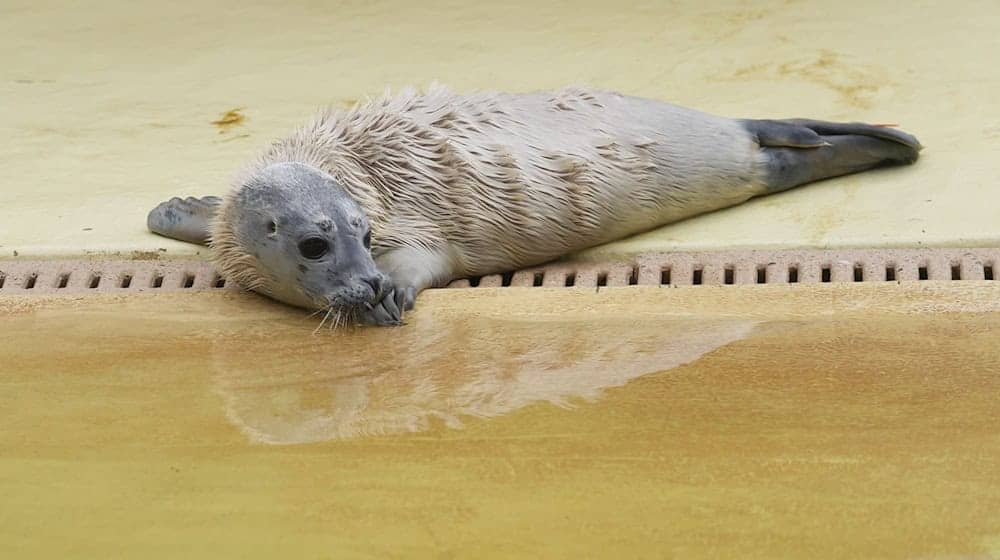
(230, 119)
(725, 24)
(856, 85)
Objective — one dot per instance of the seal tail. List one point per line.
(800, 151)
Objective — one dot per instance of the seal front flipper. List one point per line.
(184, 219)
(411, 270)
(386, 313)
(800, 151)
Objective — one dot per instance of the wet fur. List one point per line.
(465, 185)
(492, 182)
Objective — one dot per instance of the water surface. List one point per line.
(219, 425)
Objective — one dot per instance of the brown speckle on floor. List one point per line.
(230, 119)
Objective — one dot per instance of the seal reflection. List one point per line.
(364, 382)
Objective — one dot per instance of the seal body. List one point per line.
(493, 181)
(464, 185)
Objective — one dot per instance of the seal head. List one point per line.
(292, 232)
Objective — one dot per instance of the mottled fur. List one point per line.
(466, 185)
(492, 182)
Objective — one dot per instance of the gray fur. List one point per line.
(185, 219)
(287, 204)
(462, 185)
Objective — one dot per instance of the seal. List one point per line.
(361, 209)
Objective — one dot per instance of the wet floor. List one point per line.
(698, 423)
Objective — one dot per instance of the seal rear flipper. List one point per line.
(800, 151)
(884, 131)
(185, 219)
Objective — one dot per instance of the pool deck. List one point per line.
(106, 110)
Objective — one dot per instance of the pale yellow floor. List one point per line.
(833, 421)
(107, 107)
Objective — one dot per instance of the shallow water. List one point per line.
(494, 426)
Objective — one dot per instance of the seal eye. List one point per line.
(313, 248)
(368, 240)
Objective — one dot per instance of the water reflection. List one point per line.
(283, 386)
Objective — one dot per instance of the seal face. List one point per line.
(308, 241)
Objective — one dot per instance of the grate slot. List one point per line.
(793, 274)
(665, 277)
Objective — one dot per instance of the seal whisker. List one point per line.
(317, 312)
(325, 317)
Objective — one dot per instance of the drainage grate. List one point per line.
(102, 276)
(676, 269)
(760, 267)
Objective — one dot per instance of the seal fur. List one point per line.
(493, 182)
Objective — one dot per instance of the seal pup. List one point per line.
(360, 210)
